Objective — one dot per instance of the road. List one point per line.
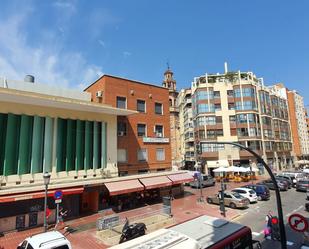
(254, 217)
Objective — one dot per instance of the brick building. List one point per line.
(144, 137)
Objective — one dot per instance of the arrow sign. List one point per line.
(298, 222)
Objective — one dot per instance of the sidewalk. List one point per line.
(183, 208)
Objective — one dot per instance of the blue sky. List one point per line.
(71, 43)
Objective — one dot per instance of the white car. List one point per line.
(53, 239)
(246, 192)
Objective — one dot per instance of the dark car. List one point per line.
(291, 178)
(288, 181)
(302, 185)
(262, 191)
(307, 206)
(283, 186)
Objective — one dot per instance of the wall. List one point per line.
(132, 90)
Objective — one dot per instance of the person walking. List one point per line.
(60, 220)
(267, 228)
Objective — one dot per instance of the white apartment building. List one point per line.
(238, 107)
(186, 130)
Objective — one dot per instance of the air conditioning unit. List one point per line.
(159, 135)
(99, 94)
(121, 133)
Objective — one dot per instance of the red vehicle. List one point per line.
(203, 232)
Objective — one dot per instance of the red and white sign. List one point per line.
(298, 222)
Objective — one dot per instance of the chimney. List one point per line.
(225, 67)
(29, 78)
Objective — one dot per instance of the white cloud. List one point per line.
(65, 5)
(49, 62)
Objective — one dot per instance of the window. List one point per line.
(142, 171)
(159, 130)
(232, 118)
(122, 155)
(217, 94)
(142, 155)
(121, 102)
(218, 107)
(230, 93)
(231, 106)
(141, 105)
(160, 154)
(141, 130)
(122, 129)
(158, 108)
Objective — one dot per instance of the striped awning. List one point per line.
(39, 194)
(155, 182)
(123, 187)
(181, 178)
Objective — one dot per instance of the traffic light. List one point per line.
(275, 230)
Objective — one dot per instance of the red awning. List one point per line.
(39, 194)
(181, 178)
(155, 182)
(123, 187)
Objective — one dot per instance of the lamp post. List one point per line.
(46, 177)
(278, 198)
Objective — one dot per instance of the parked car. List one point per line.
(262, 191)
(53, 239)
(206, 182)
(307, 206)
(296, 176)
(281, 184)
(231, 199)
(288, 181)
(302, 185)
(246, 192)
(290, 178)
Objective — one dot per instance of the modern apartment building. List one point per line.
(186, 138)
(144, 144)
(170, 83)
(237, 106)
(298, 125)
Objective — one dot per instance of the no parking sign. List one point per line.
(298, 223)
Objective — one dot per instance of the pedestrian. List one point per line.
(267, 227)
(61, 214)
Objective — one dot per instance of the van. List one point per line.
(48, 240)
(207, 181)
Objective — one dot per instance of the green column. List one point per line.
(25, 145)
(3, 124)
(95, 145)
(37, 145)
(70, 145)
(88, 145)
(104, 145)
(11, 145)
(48, 145)
(61, 141)
(80, 141)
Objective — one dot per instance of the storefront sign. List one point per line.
(156, 140)
(107, 222)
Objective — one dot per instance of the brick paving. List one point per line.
(183, 208)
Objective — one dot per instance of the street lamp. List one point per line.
(46, 177)
(278, 198)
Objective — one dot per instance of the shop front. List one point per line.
(26, 210)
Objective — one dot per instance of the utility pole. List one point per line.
(221, 199)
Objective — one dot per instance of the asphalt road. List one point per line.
(254, 217)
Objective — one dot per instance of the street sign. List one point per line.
(58, 195)
(298, 222)
(57, 201)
